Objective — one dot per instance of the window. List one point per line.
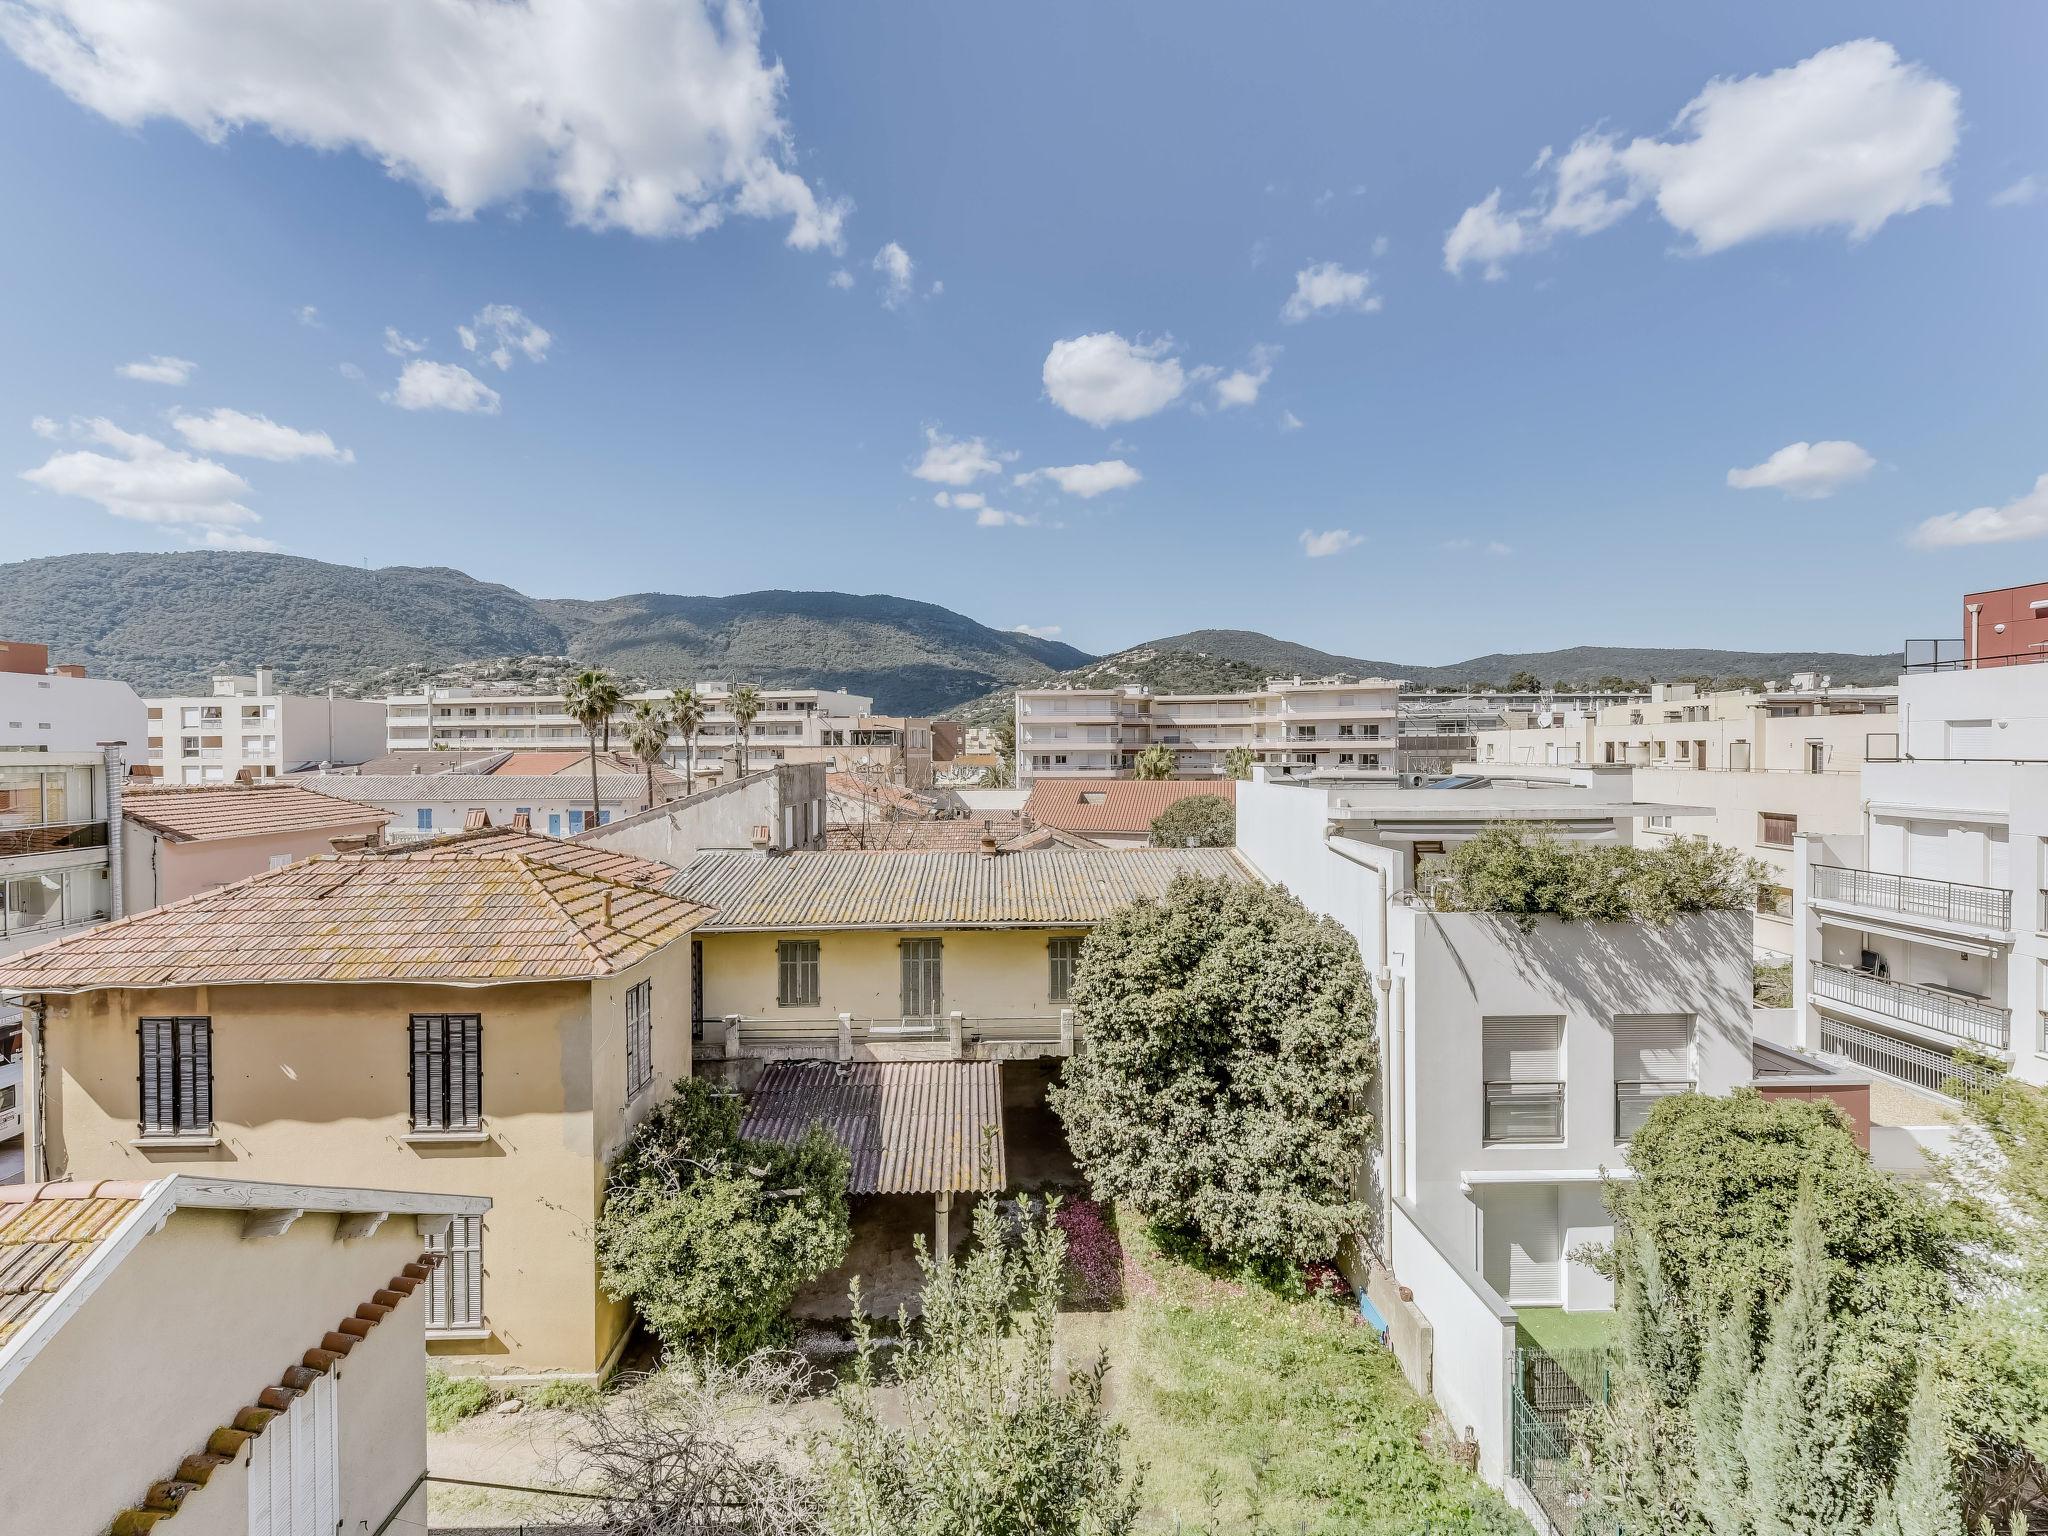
(1652, 1061)
(796, 973)
(1659, 823)
(1522, 1060)
(177, 1076)
(423, 819)
(604, 818)
(639, 1037)
(455, 1293)
(1063, 955)
(1775, 829)
(447, 1072)
(923, 992)
(575, 822)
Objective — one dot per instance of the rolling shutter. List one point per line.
(1521, 1050)
(1653, 1049)
(1524, 1244)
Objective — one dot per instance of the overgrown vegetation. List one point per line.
(1771, 985)
(1529, 873)
(1198, 821)
(451, 1399)
(710, 1236)
(1230, 1047)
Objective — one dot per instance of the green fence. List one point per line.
(1552, 1393)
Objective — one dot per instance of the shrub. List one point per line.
(1199, 821)
(1230, 1047)
(1526, 874)
(710, 1236)
(1155, 763)
(451, 1399)
(559, 1395)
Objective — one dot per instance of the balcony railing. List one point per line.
(1949, 901)
(1923, 1066)
(1634, 1101)
(1517, 1111)
(1960, 1018)
(18, 841)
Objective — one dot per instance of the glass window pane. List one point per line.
(21, 797)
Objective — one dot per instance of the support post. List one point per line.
(732, 1037)
(942, 1223)
(846, 1037)
(956, 1032)
(1066, 1031)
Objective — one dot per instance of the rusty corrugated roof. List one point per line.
(243, 810)
(910, 1127)
(1124, 806)
(47, 1232)
(1043, 887)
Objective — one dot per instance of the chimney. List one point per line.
(352, 842)
(266, 680)
(608, 906)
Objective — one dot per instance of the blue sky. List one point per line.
(1202, 268)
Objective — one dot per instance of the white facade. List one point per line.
(69, 714)
(424, 805)
(1295, 728)
(245, 723)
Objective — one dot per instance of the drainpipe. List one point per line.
(1974, 610)
(116, 769)
(1393, 1091)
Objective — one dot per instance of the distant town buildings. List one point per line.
(248, 728)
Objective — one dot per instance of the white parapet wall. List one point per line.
(1472, 1373)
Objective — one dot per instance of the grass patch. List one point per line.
(1255, 1414)
(1559, 1332)
(451, 1399)
(559, 1394)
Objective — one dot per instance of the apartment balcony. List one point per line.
(72, 837)
(1935, 1010)
(1943, 901)
(1439, 743)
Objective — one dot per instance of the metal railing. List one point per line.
(1634, 1101)
(1949, 901)
(1920, 1065)
(1518, 1111)
(1954, 656)
(1961, 1018)
(1547, 1421)
(824, 1035)
(16, 842)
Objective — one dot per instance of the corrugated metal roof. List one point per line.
(910, 1127)
(47, 1232)
(1043, 887)
(1127, 806)
(243, 810)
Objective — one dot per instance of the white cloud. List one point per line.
(1846, 139)
(956, 460)
(995, 517)
(1809, 471)
(1261, 248)
(661, 117)
(144, 481)
(1242, 386)
(1085, 480)
(309, 314)
(972, 501)
(1103, 379)
(1289, 422)
(500, 330)
(44, 426)
(1327, 288)
(1037, 631)
(401, 345)
(1331, 541)
(156, 370)
(2024, 517)
(840, 279)
(430, 386)
(2019, 194)
(349, 371)
(898, 271)
(1486, 547)
(256, 437)
(1380, 245)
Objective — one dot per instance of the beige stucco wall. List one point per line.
(311, 1084)
(181, 1336)
(158, 870)
(986, 973)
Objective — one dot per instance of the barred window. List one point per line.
(1063, 955)
(639, 1037)
(796, 966)
(177, 1076)
(923, 987)
(455, 1294)
(447, 1072)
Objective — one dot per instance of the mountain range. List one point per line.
(166, 622)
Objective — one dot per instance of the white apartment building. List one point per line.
(423, 805)
(246, 724)
(1294, 727)
(1438, 726)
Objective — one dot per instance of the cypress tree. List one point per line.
(1922, 1500)
(1653, 1348)
(1722, 1480)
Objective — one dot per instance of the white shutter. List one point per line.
(295, 1468)
(1653, 1049)
(1524, 1243)
(1523, 1050)
(1927, 850)
(1972, 738)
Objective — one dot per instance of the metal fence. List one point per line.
(1546, 1421)
(1922, 1066)
(1946, 900)
(1963, 1018)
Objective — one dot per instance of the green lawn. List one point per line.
(1556, 1331)
(1256, 1415)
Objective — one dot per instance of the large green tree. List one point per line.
(1197, 821)
(1525, 873)
(1230, 1050)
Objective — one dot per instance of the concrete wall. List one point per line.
(986, 973)
(311, 1086)
(1473, 1364)
(159, 870)
(788, 799)
(70, 714)
(319, 729)
(181, 1336)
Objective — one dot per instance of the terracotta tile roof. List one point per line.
(962, 833)
(1047, 888)
(422, 760)
(243, 810)
(1126, 807)
(910, 1127)
(47, 1232)
(484, 917)
(585, 858)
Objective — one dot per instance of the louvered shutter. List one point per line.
(159, 1057)
(1523, 1050)
(1653, 1050)
(466, 1073)
(195, 1063)
(473, 1288)
(424, 1054)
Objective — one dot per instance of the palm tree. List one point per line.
(744, 704)
(1237, 762)
(1157, 762)
(686, 710)
(592, 696)
(647, 736)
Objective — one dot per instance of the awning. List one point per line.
(910, 1127)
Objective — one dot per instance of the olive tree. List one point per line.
(1198, 821)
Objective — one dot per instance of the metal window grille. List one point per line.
(1063, 955)
(796, 967)
(455, 1295)
(447, 1072)
(176, 1076)
(639, 1037)
(923, 991)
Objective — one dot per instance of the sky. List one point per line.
(1406, 332)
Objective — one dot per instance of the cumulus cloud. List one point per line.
(1242, 386)
(1808, 471)
(500, 331)
(660, 117)
(431, 386)
(256, 437)
(1327, 288)
(144, 481)
(1037, 631)
(996, 517)
(1847, 139)
(956, 460)
(157, 370)
(2019, 194)
(400, 345)
(1331, 541)
(1103, 379)
(898, 274)
(2024, 517)
(972, 501)
(1086, 481)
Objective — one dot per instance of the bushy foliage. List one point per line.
(985, 1440)
(1230, 1047)
(1525, 874)
(451, 1399)
(1239, 761)
(708, 1235)
(1155, 763)
(1198, 821)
